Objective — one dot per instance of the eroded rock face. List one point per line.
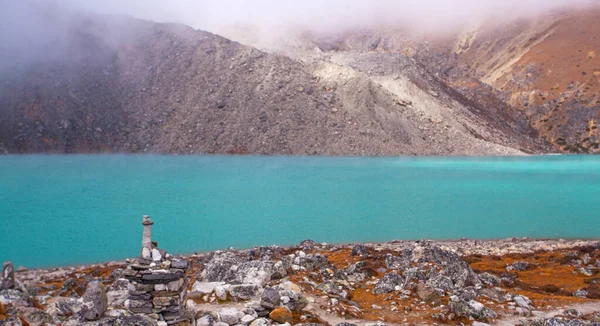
(95, 301)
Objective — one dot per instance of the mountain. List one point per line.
(119, 84)
(540, 73)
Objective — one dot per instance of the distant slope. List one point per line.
(126, 85)
(548, 69)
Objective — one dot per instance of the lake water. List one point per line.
(57, 210)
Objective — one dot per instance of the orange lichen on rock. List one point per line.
(2, 312)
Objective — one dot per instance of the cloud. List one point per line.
(325, 15)
(33, 30)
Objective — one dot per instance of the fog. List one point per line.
(33, 30)
(326, 16)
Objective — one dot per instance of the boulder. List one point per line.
(295, 301)
(428, 294)
(259, 322)
(388, 283)
(230, 316)
(202, 288)
(308, 245)
(401, 261)
(518, 266)
(522, 301)
(95, 301)
(490, 279)
(282, 315)
(222, 291)
(360, 250)
(289, 286)
(229, 268)
(206, 320)
(329, 287)
(270, 298)
(245, 291)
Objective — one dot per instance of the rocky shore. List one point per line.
(468, 282)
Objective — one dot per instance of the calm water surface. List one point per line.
(57, 210)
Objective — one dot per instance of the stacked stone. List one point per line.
(157, 282)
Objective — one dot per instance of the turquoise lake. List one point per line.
(72, 209)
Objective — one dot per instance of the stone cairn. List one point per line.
(158, 283)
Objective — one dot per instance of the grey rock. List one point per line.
(489, 279)
(205, 287)
(308, 245)
(95, 301)
(441, 282)
(295, 301)
(388, 283)
(360, 250)
(227, 267)
(11, 321)
(245, 291)
(180, 264)
(259, 322)
(518, 266)
(586, 271)
(580, 293)
(34, 316)
(401, 261)
(329, 287)
(522, 301)
(452, 265)
(572, 313)
(230, 316)
(270, 298)
(8, 276)
(206, 320)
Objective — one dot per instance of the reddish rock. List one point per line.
(281, 315)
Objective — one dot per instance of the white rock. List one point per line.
(247, 319)
(160, 287)
(116, 313)
(156, 256)
(230, 316)
(191, 305)
(289, 286)
(146, 253)
(261, 322)
(477, 306)
(205, 287)
(205, 320)
(284, 299)
(222, 291)
(522, 301)
(161, 323)
(175, 285)
(117, 298)
(476, 323)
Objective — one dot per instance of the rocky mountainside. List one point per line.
(126, 85)
(540, 74)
